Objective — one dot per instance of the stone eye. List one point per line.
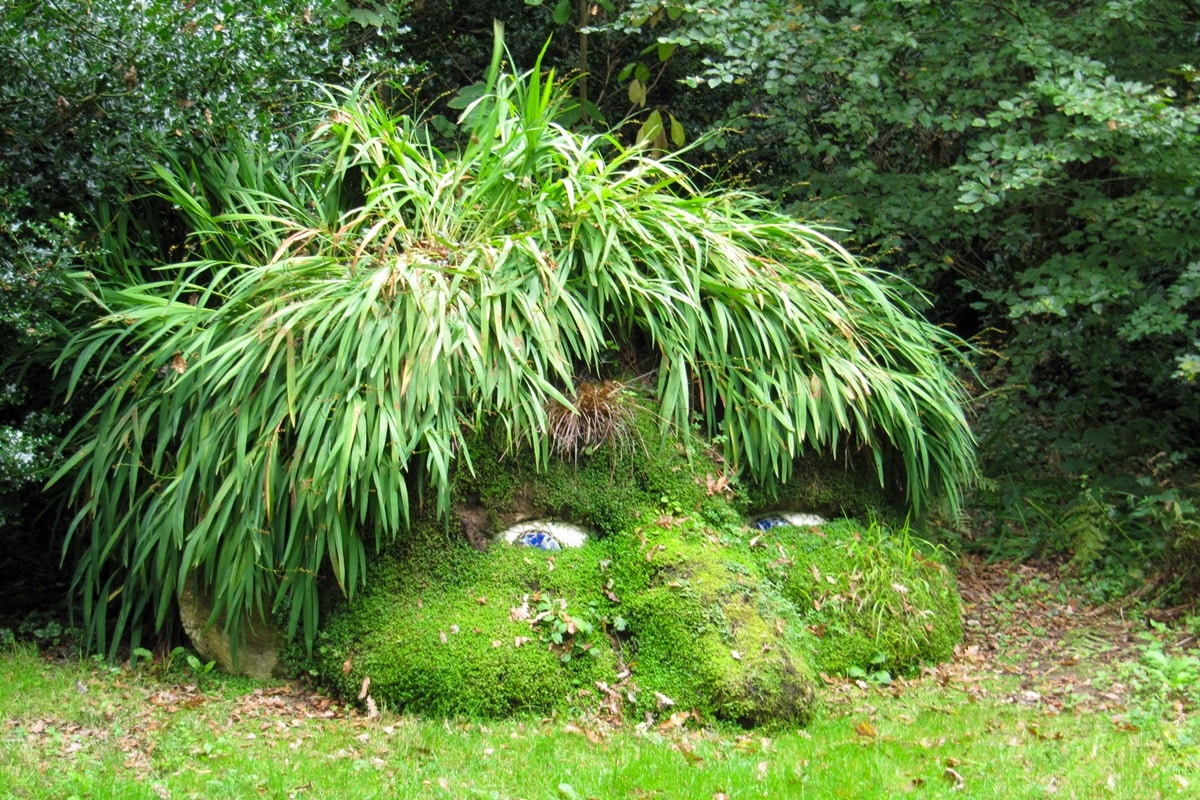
(545, 535)
(764, 522)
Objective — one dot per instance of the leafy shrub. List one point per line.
(1032, 165)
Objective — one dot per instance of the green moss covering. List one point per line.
(871, 597)
(436, 633)
(710, 631)
(672, 604)
(445, 629)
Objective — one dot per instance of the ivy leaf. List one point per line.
(637, 92)
(562, 12)
(677, 134)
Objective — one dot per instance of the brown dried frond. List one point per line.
(600, 414)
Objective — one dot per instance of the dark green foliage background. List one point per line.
(1031, 166)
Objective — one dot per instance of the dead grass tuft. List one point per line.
(600, 413)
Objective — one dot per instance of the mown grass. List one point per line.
(82, 730)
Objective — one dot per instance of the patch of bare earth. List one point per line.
(1028, 639)
(1024, 620)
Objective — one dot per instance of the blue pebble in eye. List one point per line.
(539, 539)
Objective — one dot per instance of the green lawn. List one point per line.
(84, 730)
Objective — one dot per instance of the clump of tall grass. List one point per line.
(351, 313)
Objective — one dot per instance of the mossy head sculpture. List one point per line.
(354, 314)
(626, 582)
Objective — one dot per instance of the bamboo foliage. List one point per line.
(351, 313)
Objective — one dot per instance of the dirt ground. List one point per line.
(1024, 620)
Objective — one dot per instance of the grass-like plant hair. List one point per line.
(350, 314)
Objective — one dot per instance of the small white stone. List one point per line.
(802, 520)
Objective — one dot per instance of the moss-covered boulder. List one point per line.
(441, 630)
(709, 630)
